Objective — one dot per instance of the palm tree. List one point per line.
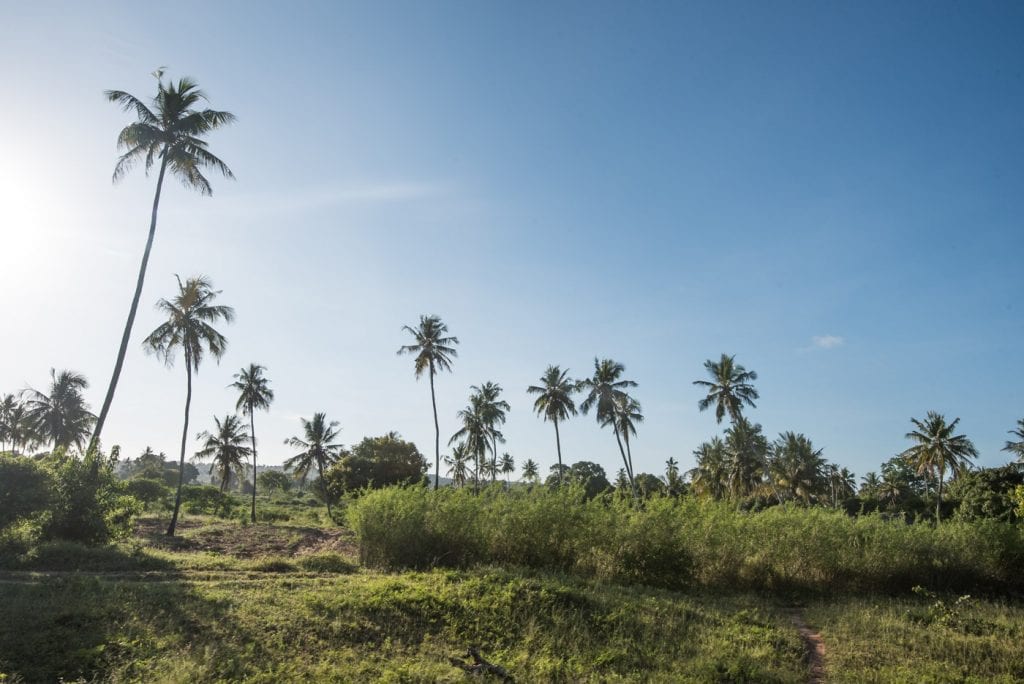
(746, 449)
(605, 391)
(434, 352)
(475, 434)
(710, 477)
(318, 450)
(189, 325)
(554, 401)
(17, 425)
(172, 131)
(842, 482)
(493, 412)
(457, 463)
(226, 445)
(936, 448)
(62, 417)
(625, 417)
(253, 393)
(1016, 448)
(673, 481)
(729, 389)
(870, 485)
(531, 471)
(7, 405)
(508, 466)
(796, 467)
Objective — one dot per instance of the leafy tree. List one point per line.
(170, 130)
(648, 485)
(554, 399)
(937, 449)
(61, 417)
(379, 462)
(605, 389)
(88, 503)
(507, 466)
(254, 394)
(274, 480)
(434, 352)
(590, 476)
(191, 315)
(319, 450)
(531, 471)
(621, 482)
(146, 490)
(1016, 448)
(796, 468)
(559, 475)
(729, 389)
(987, 493)
(226, 446)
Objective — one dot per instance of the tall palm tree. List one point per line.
(7, 405)
(531, 471)
(870, 485)
(253, 393)
(604, 390)
(319, 450)
(493, 411)
(18, 427)
(61, 417)
(191, 315)
(729, 388)
(475, 434)
(226, 446)
(1016, 448)
(170, 130)
(747, 450)
(508, 466)
(626, 414)
(936, 448)
(434, 352)
(554, 400)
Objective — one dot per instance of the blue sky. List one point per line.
(830, 191)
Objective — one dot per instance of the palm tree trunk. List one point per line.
(437, 433)
(494, 461)
(629, 474)
(184, 441)
(323, 489)
(938, 501)
(252, 432)
(126, 336)
(558, 444)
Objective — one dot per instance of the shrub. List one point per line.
(207, 500)
(25, 489)
(147, 491)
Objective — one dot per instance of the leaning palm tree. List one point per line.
(554, 401)
(61, 417)
(434, 352)
(189, 326)
(531, 471)
(605, 390)
(226, 446)
(626, 414)
(936, 448)
(319, 450)
(170, 130)
(253, 393)
(1017, 448)
(729, 388)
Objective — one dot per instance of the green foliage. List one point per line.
(208, 500)
(274, 481)
(987, 493)
(376, 462)
(25, 489)
(674, 542)
(147, 491)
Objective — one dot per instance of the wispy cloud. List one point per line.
(827, 341)
(300, 200)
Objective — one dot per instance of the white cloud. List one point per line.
(827, 341)
(300, 200)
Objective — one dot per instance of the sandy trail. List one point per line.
(815, 646)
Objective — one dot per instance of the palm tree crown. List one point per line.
(606, 392)
(554, 401)
(937, 449)
(171, 130)
(433, 350)
(729, 388)
(226, 446)
(1016, 448)
(253, 393)
(61, 417)
(319, 450)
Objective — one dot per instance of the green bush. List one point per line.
(147, 491)
(25, 489)
(87, 503)
(208, 500)
(674, 542)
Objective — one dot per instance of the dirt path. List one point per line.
(815, 646)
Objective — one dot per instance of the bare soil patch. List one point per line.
(250, 541)
(815, 646)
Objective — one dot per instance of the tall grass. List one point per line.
(674, 543)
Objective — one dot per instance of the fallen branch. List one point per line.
(480, 666)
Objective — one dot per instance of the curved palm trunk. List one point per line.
(126, 336)
(558, 444)
(437, 433)
(184, 441)
(252, 432)
(629, 472)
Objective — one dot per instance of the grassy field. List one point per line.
(228, 602)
